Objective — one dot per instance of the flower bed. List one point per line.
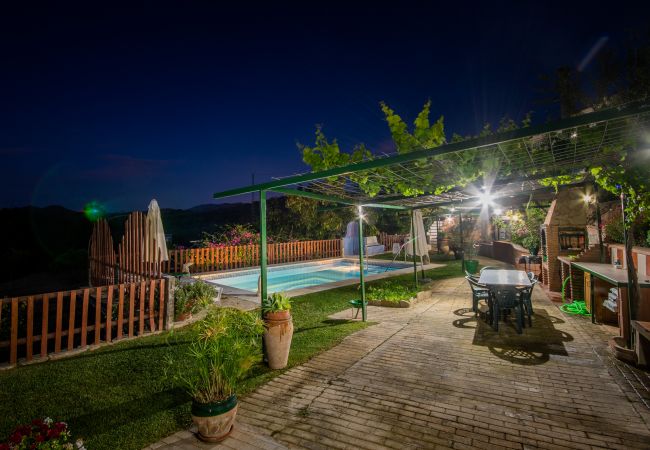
(42, 434)
(391, 294)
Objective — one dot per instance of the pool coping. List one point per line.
(253, 296)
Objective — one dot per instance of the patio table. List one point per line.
(503, 284)
(504, 277)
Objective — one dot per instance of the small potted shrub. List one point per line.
(189, 298)
(224, 348)
(279, 329)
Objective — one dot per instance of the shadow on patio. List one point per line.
(534, 346)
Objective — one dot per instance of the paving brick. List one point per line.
(433, 376)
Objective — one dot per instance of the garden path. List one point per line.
(433, 376)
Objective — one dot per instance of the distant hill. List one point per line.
(54, 240)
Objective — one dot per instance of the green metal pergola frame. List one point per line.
(555, 145)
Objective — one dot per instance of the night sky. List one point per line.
(179, 100)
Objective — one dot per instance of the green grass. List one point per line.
(117, 396)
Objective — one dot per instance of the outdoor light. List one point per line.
(360, 212)
(453, 208)
(486, 198)
(587, 198)
(498, 211)
(574, 135)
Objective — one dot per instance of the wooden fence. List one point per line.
(389, 239)
(209, 259)
(44, 324)
(137, 258)
(101, 255)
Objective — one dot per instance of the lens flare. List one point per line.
(94, 211)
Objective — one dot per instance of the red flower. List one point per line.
(16, 437)
(53, 433)
(40, 438)
(4, 447)
(23, 430)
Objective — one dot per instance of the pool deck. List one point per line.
(435, 376)
(253, 297)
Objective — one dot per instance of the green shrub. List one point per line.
(391, 291)
(193, 297)
(276, 302)
(614, 229)
(224, 347)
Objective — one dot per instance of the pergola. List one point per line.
(513, 163)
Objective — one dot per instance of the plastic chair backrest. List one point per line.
(507, 298)
(476, 286)
(470, 276)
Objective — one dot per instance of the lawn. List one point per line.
(117, 396)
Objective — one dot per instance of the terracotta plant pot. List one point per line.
(277, 338)
(214, 420)
(444, 245)
(617, 345)
(183, 316)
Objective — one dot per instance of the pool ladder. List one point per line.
(399, 253)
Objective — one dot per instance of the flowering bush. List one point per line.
(42, 434)
(232, 235)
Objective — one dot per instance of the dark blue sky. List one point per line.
(179, 100)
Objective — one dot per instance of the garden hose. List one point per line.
(577, 307)
(566, 280)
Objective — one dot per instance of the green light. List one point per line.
(93, 211)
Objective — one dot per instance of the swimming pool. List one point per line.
(297, 276)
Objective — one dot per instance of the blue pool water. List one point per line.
(296, 276)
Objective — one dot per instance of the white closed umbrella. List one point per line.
(155, 229)
(421, 246)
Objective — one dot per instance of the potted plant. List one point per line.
(223, 348)
(443, 242)
(278, 329)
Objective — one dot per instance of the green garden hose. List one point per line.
(566, 280)
(577, 307)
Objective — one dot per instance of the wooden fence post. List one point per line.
(168, 293)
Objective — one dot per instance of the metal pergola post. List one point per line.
(362, 244)
(599, 225)
(263, 262)
(438, 234)
(462, 247)
(415, 264)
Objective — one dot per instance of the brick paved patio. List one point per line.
(432, 376)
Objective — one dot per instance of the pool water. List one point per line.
(297, 276)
